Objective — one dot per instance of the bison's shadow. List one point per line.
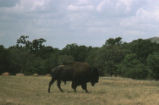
(80, 92)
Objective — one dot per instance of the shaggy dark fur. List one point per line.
(79, 73)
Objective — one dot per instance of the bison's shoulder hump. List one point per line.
(57, 68)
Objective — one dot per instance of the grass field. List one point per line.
(27, 90)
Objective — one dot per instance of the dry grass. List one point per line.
(5, 74)
(29, 90)
(19, 74)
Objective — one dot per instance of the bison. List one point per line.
(78, 72)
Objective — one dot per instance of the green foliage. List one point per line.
(23, 42)
(20, 60)
(153, 63)
(38, 66)
(131, 67)
(37, 45)
(92, 57)
(4, 60)
(65, 59)
(142, 48)
(113, 41)
(94, 60)
(79, 53)
(137, 59)
(110, 55)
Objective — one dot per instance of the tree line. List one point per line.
(138, 59)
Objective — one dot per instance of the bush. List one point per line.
(131, 67)
(153, 64)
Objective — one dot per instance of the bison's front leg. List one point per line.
(59, 85)
(50, 83)
(84, 86)
(74, 86)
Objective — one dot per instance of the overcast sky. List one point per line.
(85, 22)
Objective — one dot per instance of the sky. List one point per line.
(85, 22)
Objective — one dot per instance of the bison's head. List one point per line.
(95, 76)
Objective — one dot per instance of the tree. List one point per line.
(46, 51)
(153, 63)
(23, 42)
(79, 53)
(51, 62)
(113, 41)
(65, 59)
(4, 59)
(37, 45)
(34, 46)
(19, 59)
(142, 48)
(110, 55)
(131, 67)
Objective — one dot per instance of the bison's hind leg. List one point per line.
(64, 82)
(59, 85)
(50, 83)
(84, 86)
(74, 86)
